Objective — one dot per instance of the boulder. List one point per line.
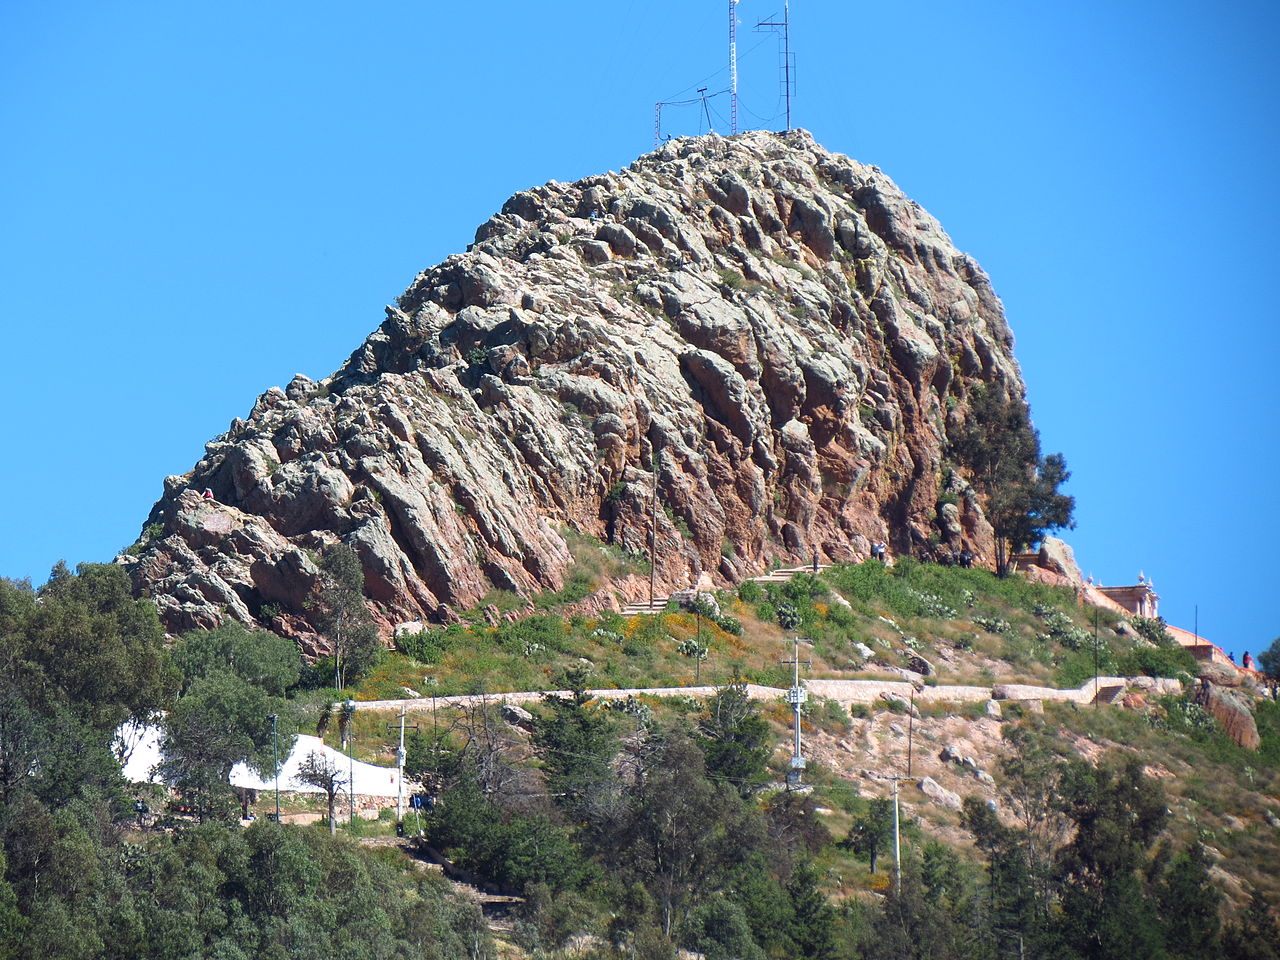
(920, 665)
(939, 794)
(1218, 674)
(517, 716)
(1231, 709)
(1057, 556)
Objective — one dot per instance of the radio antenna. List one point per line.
(733, 67)
(788, 64)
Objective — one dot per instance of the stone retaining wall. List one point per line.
(842, 691)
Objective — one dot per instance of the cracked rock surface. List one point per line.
(790, 333)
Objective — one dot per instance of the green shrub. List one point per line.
(429, 646)
(1061, 630)
(804, 587)
(729, 625)
(536, 633)
(732, 279)
(1076, 667)
(1152, 629)
(1163, 661)
(749, 591)
(577, 587)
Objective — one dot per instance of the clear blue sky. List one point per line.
(199, 200)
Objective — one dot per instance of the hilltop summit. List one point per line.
(792, 334)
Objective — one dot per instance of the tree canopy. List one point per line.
(344, 616)
(1001, 449)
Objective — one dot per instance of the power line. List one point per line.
(701, 99)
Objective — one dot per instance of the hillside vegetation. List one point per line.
(632, 825)
(1192, 816)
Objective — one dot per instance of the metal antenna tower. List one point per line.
(788, 64)
(733, 67)
(796, 696)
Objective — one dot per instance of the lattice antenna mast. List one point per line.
(788, 64)
(733, 67)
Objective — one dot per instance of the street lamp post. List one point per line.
(275, 755)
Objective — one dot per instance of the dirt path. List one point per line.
(845, 692)
(498, 909)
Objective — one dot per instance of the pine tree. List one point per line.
(1001, 449)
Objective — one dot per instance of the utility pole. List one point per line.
(400, 755)
(1095, 657)
(897, 836)
(349, 712)
(897, 841)
(656, 457)
(911, 729)
(796, 696)
(275, 755)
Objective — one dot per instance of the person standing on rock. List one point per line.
(207, 495)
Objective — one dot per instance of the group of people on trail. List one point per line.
(947, 557)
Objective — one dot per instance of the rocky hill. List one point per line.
(791, 334)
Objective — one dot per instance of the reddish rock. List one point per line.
(788, 330)
(1231, 709)
(1219, 674)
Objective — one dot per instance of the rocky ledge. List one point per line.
(789, 333)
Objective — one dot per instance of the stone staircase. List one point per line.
(781, 575)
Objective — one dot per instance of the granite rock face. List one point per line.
(790, 334)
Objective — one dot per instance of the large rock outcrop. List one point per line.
(790, 333)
